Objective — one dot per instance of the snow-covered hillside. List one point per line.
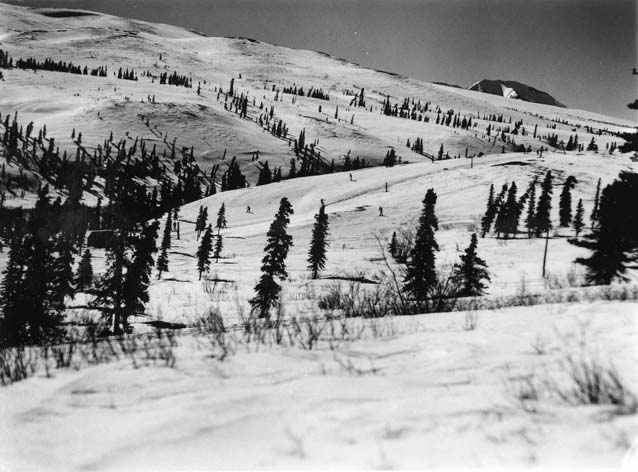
(476, 388)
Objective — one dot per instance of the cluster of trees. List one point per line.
(233, 178)
(416, 146)
(505, 210)
(391, 159)
(359, 99)
(211, 245)
(468, 278)
(613, 239)
(299, 91)
(278, 244)
(6, 62)
(175, 79)
(266, 176)
(126, 74)
(572, 143)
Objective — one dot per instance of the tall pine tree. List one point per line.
(543, 210)
(565, 202)
(420, 277)
(318, 243)
(470, 273)
(204, 250)
(273, 265)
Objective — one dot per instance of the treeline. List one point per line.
(294, 90)
(7, 62)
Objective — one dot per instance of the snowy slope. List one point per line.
(422, 393)
(408, 398)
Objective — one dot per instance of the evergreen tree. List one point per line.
(219, 245)
(543, 217)
(61, 274)
(84, 275)
(579, 222)
(565, 202)
(486, 221)
(221, 218)
(614, 241)
(507, 219)
(393, 244)
(594, 212)
(470, 273)
(138, 272)
(420, 275)
(273, 265)
(318, 243)
(429, 203)
(162, 260)
(203, 252)
(530, 220)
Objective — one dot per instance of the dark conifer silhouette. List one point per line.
(273, 265)
(579, 222)
(470, 273)
(420, 277)
(204, 250)
(565, 202)
(543, 221)
(594, 212)
(84, 275)
(614, 241)
(162, 260)
(318, 243)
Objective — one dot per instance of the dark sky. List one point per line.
(579, 51)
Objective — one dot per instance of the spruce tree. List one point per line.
(429, 203)
(420, 275)
(318, 243)
(219, 245)
(162, 260)
(486, 221)
(138, 271)
(204, 250)
(614, 241)
(594, 212)
(221, 218)
(198, 221)
(565, 202)
(579, 222)
(543, 210)
(530, 219)
(470, 273)
(84, 275)
(273, 265)
(507, 219)
(393, 244)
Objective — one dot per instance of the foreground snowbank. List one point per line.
(405, 397)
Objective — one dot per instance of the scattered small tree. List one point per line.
(318, 243)
(84, 275)
(579, 223)
(470, 273)
(204, 250)
(420, 277)
(273, 265)
(565, 202)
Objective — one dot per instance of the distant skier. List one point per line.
(380, 211)
(248, 209)
(386, 186)
(350, 177)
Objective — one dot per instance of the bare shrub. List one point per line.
(594, 383)
(17, 363)
(526, 391)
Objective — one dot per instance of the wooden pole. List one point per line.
(545, 254)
